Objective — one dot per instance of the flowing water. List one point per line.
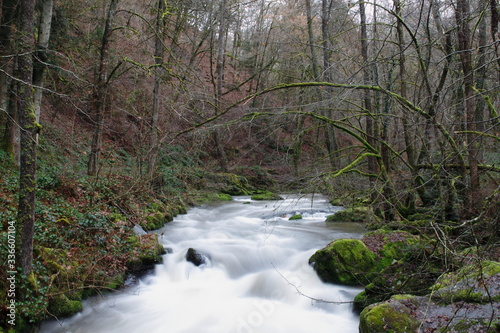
(257, 278)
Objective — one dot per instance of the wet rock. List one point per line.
(354, 214)
(344, 261)
(406, 313)
(474, 283)
(197, 258)
(467, 300)
(387, 317)
(138, 230)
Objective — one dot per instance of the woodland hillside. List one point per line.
(120, 112)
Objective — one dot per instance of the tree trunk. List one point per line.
(153, 137)
(367, 81)
(219, 72)
(8, 116)
(462, 16)
(101, 90)
(481, 76)
(29, 128)
(41, 58)
(331, 139)
(495, 18)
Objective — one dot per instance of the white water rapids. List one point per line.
(257, 280)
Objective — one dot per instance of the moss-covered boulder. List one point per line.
(390, 245)
(344, 261)
(407, 313)
(467, 300)
(474, 283)
(295, 217)
(228, 183)
(388, 317)
(265, 195)
(354, 214)
(402, 277)
(146, 252)
(404, 266)
(62, 306)
(160, 212)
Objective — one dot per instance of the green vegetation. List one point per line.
(265, 195)
(344, 261)
(354, 214)
(381, 318)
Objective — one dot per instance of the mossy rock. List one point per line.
(354, 214)
(146, 254)
(61, 306)
(154, 221)
(344, 261)
(474, 283)
(390, 245)
(295, 217)
(115, 282)
(336, 202)
(265, 195)
(387, 318)
(224, 197)
(229, 183)
(402, 277)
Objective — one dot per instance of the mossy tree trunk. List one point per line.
(29, 129)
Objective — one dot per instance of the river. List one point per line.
(256, 280)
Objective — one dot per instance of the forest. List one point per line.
(115, 113)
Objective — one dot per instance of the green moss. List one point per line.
(114, 217)
(353, 214)
(386, 318)
(471, 283)
(224, 197)
(115, 282)
(148, 253)
(344, 261)
(61, 306)
(266, 196)
(154, 221)
(336, 202)
(295, 217)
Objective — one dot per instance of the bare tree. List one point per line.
(462, 16)
(101, 95)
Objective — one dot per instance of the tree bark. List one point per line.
(8, 116)
(42, 45)
(367, 101)
(219, 72)
(462, 16)
(101, 92)
(153, 136)
(331, 139)
(29, 128)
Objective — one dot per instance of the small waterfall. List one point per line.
(256, 280)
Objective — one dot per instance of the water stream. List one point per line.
(257, 279)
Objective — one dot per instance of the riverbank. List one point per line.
(84, 235)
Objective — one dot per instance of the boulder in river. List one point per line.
(344, 261)
(464, 301)
(197, 258)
